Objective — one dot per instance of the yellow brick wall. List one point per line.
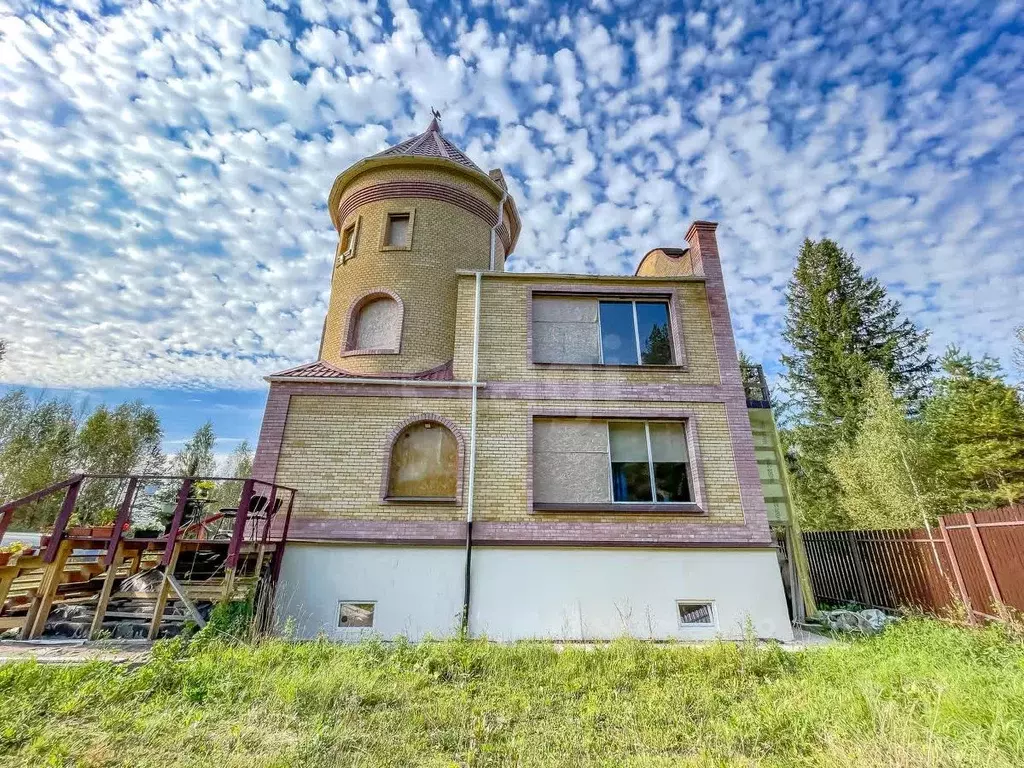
(445, 238)
(333, 453)
(502, 437)
(503, 326)
(658, 264)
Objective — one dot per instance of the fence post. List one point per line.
(956, 570)
(986, 565)
(858, 568)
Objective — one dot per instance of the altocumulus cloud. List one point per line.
(164, 166)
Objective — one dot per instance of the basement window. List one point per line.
(355, 615)
(699, 614)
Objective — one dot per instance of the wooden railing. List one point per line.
(261, 521)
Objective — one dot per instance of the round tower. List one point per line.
(408, 219)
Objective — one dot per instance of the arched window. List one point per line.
(424, 463)
(375, 324)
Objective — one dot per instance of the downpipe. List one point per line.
(475, 384)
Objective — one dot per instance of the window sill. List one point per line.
(396, 247)
(610, 366)
(623, 507)
(419, 500)
(358, 352)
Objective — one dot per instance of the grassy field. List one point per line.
(922, 694)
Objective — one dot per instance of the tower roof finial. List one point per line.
(435, 125)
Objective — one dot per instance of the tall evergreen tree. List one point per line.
(840, 326)
(1018, 351)
(975, 426)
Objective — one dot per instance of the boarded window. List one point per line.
(355, 615)
(379, 324)
(592, 461)
(570, 460)
(586, 330)
(424, 463)
(398, 230)
(565, 330)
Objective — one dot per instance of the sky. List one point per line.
(164, 166)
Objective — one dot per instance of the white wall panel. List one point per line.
(417, 590)
(574, 594)
(533, 592)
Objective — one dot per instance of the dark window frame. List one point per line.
(651, 464)
(637, 346)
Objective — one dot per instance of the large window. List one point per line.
(583, 329)
(648, 461)
(635, 333)
(581, 463)
(424, 463)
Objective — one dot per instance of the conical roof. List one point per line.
(430, 143)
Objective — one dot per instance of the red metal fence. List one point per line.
(974, 558)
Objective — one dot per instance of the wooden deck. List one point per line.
(100, 586)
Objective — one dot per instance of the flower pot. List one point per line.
(103, 531)
(80, 531)
(147, 533)
(44, 540)
(5, 557)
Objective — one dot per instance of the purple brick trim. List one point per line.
(584, 390)
(606, 291)
(427, 190)
(624, 532)
(376, 531)
(389, 446)
(543, 534)
(368, 389)
(704, 247)
(689, 418)
(349, 348)
(268, 449)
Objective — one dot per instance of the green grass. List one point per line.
(923, 693)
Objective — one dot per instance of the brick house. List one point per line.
(537, 455)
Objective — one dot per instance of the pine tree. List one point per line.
(975, 425)
(840, 326)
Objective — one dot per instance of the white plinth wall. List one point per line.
(533, 592)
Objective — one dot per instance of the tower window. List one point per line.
(348, 236)
(398, 230)
(347, 243)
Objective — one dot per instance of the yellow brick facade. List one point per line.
(334, 453)
(333, 448)
(504, 322)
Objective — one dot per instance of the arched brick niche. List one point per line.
(406, 443)
(374, 324)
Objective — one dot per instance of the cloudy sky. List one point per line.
(164, 166)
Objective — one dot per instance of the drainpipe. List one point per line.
(475, 384)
